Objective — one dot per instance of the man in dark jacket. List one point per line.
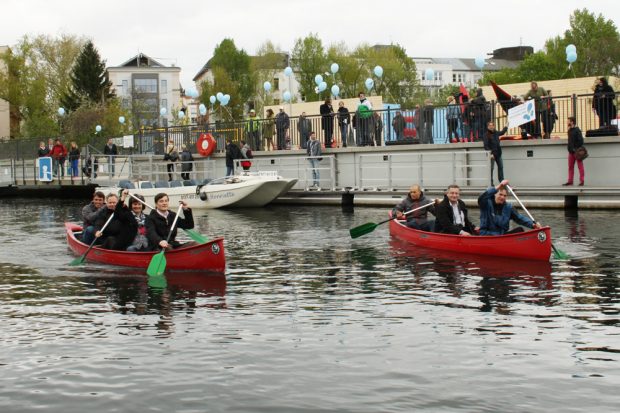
(398, 123)
(232, 152)
(89, 213)
(575, 140)
(491, 143)
(159, 222)
(451, 214)
(418, 219)
(304, 127)
(496, 213)
(327, 121)
(283, 124)
(112, 151)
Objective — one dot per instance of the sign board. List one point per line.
(128, 141)
(524, 113)
(44, 169)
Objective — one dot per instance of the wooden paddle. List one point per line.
(81, 258)
(557, 253)
(157, 266)
(370, 226)
(195, 235)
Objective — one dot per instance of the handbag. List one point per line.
(581, 153)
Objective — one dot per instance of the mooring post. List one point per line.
(347, 198)
(571, 202)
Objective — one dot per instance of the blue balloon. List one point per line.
(212, 99)
(181, 114)
(571, 48)
(225, 100)
(286, 96)
(191, 92)
(378, 71)
(163, 111)
(322, 86)
(219, 96)
(288, 71)
(201, 106)
(335, 90)
(61, 111)
(318, 79)
(121, 119)
(571, 57)
(479, 61)
(369, 83)
(98, 128)
(203, 110)
(429, 74)
(334, 68)
(267, 86)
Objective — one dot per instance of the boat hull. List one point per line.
(202, 257)
(528, 245)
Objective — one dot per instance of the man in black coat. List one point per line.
(491, 143)
(232, 152)
(451, 214)
(112, 151)
(327, 121)
(160, 220)
(575, 141)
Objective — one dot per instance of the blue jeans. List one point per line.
(500, 169)
(74, 167)
(88, 234)
(314, 163)
(230, 170)
(343, 133)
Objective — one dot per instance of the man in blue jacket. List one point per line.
(496, 213)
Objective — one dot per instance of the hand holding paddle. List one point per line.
(557, 253)
(370, 226)
(196, 236)
(157, 266)
(81, 259)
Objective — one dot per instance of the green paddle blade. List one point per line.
(196, 236)
(362, 229)
(79, 260)
(157, 266)
(559, 254)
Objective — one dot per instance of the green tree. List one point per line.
(308, 59)
(232, 74)
(33, 64)
(89, 80)
(266, 65)
(536, 66)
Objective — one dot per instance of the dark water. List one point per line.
(308, 320)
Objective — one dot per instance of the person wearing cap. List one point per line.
(252, 130)
(283, 124)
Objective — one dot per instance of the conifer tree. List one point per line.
(89, 80)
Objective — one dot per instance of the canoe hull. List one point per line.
(203, 257)
(528, 245)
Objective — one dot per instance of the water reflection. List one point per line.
(502, 281)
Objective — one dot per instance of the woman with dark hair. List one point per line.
(159, 222)
(138, 224)
(603, 102)
(269, 127)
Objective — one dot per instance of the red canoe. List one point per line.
(529, 245)
(201, 257)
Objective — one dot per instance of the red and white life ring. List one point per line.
(205, 144)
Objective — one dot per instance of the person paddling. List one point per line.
(496, 213)
(160, 220)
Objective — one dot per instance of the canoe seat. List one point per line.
(125, 184)
(146, 185)
(161, 184)
(190, 182)
(175, 184)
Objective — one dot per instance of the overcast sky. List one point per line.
(185, 32)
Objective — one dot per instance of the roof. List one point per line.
(281, 60)
(469, 65)
(141, 60)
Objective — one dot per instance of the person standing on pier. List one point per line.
(344, 120)
(252, 129)
(111, 151)
(304, 127)
(314, 152)
(283, 124)
(575, 141)
(43, 150)
(269, 126)
(327, 121)
(538, 93)
(58, 154)
(74, 159)
(491, 143)
(364, 120)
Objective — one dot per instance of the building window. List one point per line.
(276, 102)
(454, 77)
(276, 83)
(145, 85)
(125, 90)
(438, 76)
(164, 103)
(164, 86)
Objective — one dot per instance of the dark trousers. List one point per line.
(329, 134)
(500, 168)
(170, 168)
(424, 226)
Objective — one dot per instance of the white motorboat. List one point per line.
(238, 191)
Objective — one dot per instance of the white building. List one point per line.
(146, 86)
